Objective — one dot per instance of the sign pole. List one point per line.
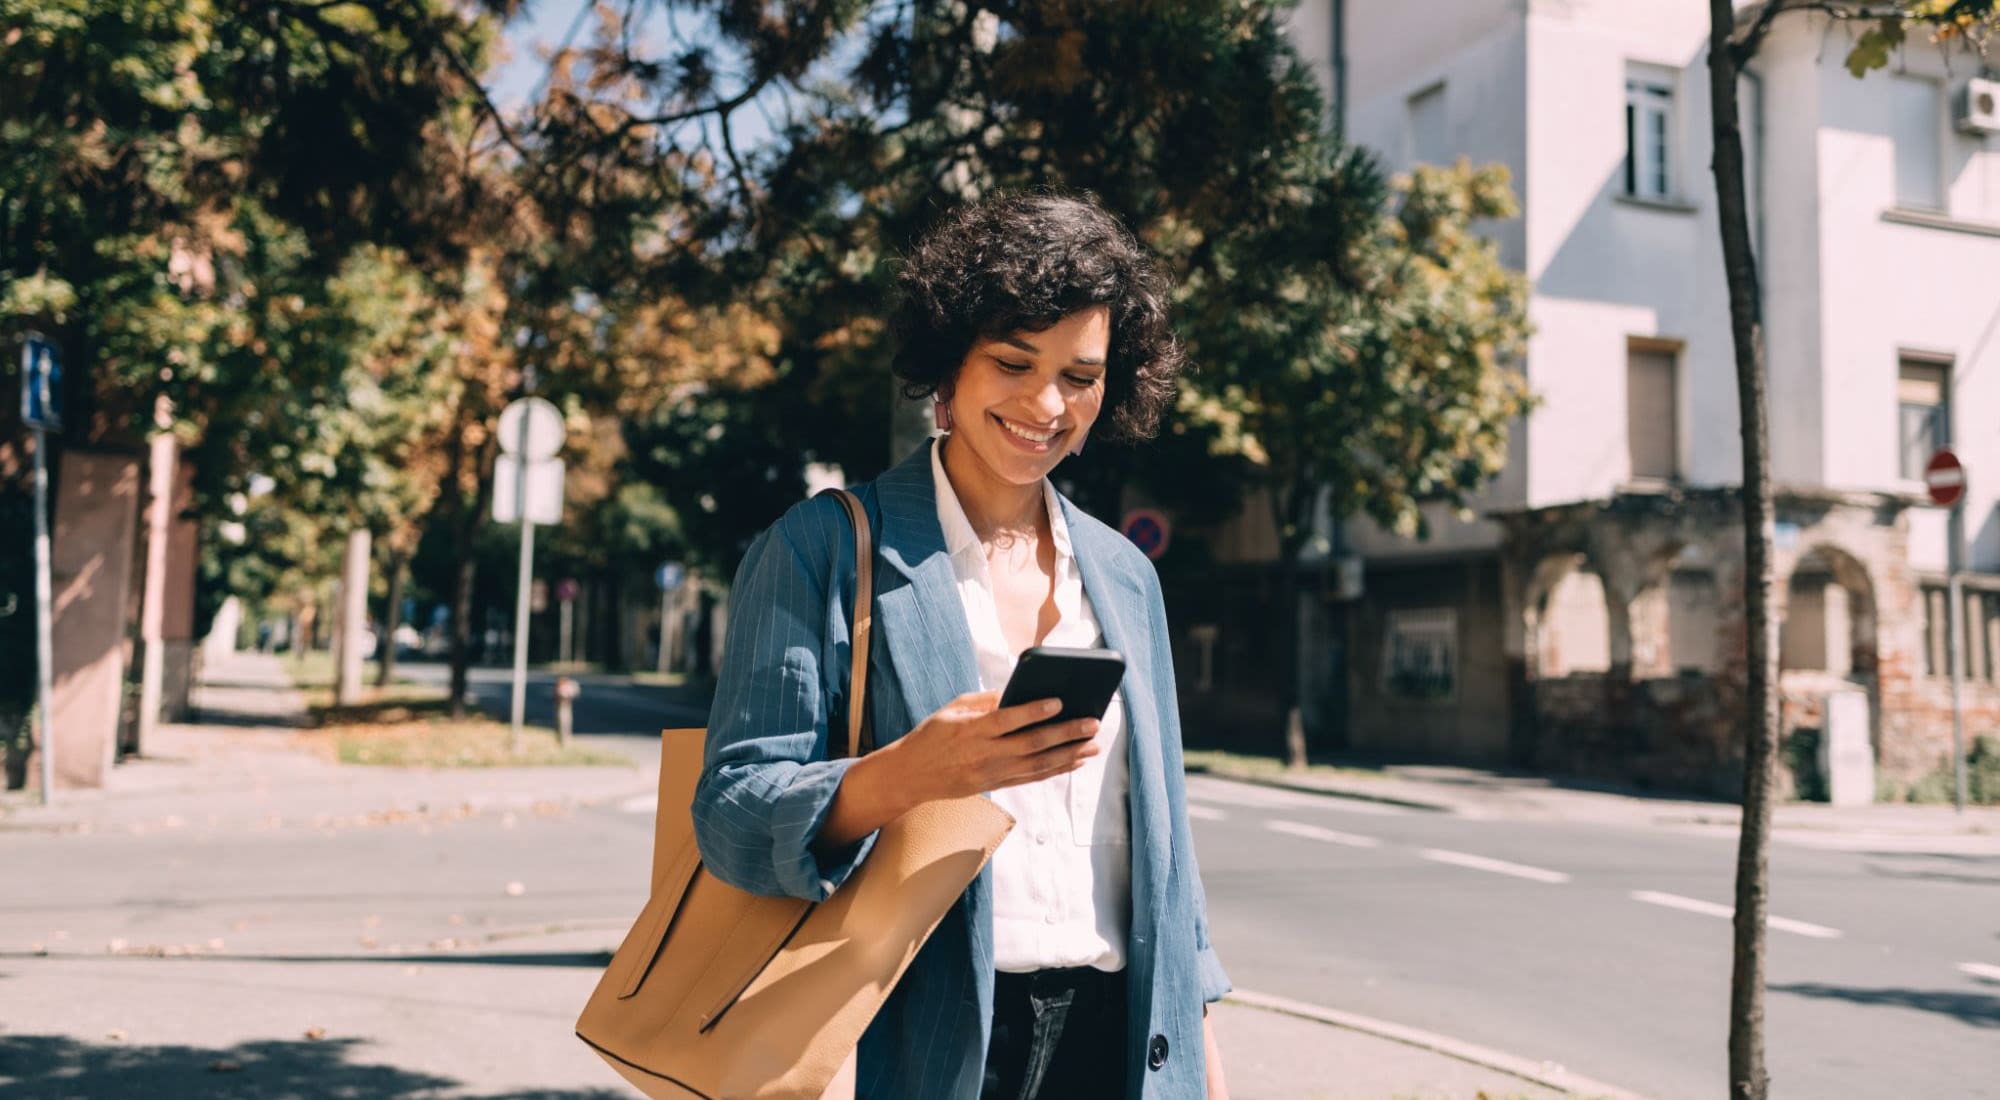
(44, 603)
(1955, 625)
(666, 617)
(521, 596)
(1944, 477)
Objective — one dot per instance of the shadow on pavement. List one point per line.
(46, 1067)
(1977, 1009)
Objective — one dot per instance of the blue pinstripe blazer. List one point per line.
(767, 782)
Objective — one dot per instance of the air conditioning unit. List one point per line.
(1979, 107)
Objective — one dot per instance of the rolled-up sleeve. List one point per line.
(766, 784)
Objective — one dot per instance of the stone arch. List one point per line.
(1569, 617)
(1676, 614)
(1829, 616)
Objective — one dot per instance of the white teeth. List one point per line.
(1032, 437)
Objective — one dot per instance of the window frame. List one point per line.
(1672, 351)
(1909, 467)
(1650, 171)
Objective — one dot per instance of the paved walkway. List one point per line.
(242, 764)
(1491, 793)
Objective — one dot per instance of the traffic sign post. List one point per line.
(1944, 477)
(41, 377)
(531, 433)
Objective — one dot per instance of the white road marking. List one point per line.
(1981, 970)
(1497, 866)
(1210, 788)
(1712, 909)
(1314, 832)
(1205, 813)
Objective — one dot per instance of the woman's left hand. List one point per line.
(1218, 1087)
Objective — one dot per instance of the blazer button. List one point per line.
(1156, 1052)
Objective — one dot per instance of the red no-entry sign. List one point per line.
(1945, 478)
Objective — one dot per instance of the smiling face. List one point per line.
(1020, 402)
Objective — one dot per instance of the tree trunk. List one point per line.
(1748, 1078)
(392, 617)
(1291, 510)
(467, 522)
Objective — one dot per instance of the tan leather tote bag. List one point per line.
(723, 994)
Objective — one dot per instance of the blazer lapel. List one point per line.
(1120, 603)
(917, 601)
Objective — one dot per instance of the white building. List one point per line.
(1602, 578)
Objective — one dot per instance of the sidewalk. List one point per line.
(240, 765)
(243, 769)
(1483, 793)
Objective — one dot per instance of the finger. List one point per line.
(1009, 719)
(1054, 737)
(1055, 762)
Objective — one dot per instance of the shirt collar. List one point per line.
(958, 532)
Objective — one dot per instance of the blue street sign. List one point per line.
(668, 576)
(41, 382)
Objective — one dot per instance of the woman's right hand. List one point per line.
(972, 745)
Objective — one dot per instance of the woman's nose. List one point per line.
(1048, 401)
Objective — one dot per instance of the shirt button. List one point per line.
(1156, 1052)
(1049, 918)
(1041, 838)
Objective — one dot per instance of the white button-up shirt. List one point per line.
(1062, 880)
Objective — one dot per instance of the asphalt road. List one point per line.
(449, 958)
(610, 710)
(1607, 949)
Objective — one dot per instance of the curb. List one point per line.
(1548, 1075)
(1302, 787)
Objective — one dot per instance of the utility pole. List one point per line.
(41, 377)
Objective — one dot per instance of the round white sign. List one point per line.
(532, 428)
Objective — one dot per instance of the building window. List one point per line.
(1982, 633)
(1430, 141)
(1923, 409)
(1916, 130)
(1652, 429)
(1420, 656)
(1649, 129)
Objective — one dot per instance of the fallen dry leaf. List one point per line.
(116, 1035)
(315, 1033)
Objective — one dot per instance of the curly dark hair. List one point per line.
(1022, 262)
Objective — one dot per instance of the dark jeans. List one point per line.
(1057, 1034)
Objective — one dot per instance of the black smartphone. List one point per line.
(1084, 679)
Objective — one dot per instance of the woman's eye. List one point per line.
(1017, 367)
(1082, 383)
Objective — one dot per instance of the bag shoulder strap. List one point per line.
(861, 632)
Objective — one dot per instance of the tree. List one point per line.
(1372, 358)
(1732, 45)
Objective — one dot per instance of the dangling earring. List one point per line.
(940, 412)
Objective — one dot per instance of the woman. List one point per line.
(1078, 964)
